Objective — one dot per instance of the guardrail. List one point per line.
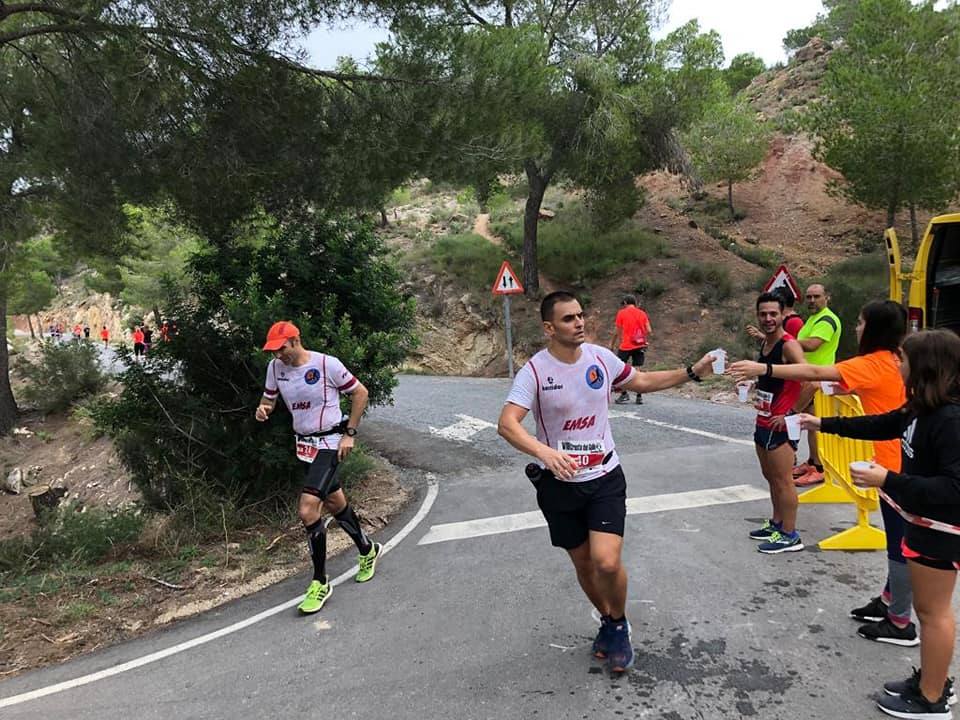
(836, 454)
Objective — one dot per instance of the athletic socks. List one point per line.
(350, 523)
(317, 542)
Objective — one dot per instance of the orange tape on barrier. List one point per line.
(836, 454)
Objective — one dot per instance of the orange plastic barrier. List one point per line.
(836, 454)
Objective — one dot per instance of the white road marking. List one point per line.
(464, 429)
(432, 490)
(681, 428)
(635, 506)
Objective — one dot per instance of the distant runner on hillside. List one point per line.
(630, 338)
(581, 489)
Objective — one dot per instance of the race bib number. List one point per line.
(307, 448)
(587, 453)
(764, 403)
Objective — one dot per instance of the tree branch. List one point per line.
(472, 13)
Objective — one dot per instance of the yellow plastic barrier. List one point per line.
(836, 454)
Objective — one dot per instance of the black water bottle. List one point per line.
(533, 471)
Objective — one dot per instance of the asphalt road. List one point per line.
(494, 626)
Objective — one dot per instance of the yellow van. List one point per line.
(934, 295)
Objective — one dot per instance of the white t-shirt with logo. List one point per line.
(311, 393)
(570, 403)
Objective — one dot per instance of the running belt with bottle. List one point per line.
(569, 404)
(311, 393)
(774, 396)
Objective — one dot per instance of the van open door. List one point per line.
(893, 259)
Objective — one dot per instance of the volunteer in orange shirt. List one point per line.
(874, 376)
(630, 338)
(138, 346)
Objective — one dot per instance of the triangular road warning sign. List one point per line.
(783, 278)
(507, 282)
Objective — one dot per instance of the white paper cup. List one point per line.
(743, 391)
(793, 426)
(826, 387)
(719, 361)
(860, 465)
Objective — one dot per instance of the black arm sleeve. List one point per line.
(888, 426)
(942, 488)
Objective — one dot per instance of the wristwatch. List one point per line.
(350, 432)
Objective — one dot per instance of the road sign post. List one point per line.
(507, 284)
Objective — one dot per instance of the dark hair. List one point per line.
(628, 300)
(786, 294)
(546, 305)
(884, 325)
(934, 359)
(769, 297)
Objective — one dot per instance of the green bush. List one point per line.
(71, 538)
(764, 257)
(649, 289)
(469, 258)
(186, 418)
(852, 283)
(357, 465)
(714, 281)
(61, 375)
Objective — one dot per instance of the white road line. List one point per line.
(432, 489)
(635, 506)
(464, 429)
(681, 428)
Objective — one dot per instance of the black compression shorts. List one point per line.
(573, 509)
(321, 478)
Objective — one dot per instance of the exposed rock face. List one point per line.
(774, 92)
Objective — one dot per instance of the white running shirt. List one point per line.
(311, 393)
(570, 403)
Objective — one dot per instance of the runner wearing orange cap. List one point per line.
(311, 384)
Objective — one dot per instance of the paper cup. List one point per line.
(826, 387)
(719, 360)
(860, 465)
(743, 391)
(793, 426)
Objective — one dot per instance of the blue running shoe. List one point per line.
(781, 542)
(620, 652)
(601, 644)
(766, 531)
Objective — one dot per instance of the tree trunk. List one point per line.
(914, 230)
(156, 316)
(891, 213)
(537, 183)
(383, 218)
(45, 499)
(30, 325)
(8, 406)
(733, 213)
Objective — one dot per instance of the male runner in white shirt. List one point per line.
(311, 384)
(581, 489)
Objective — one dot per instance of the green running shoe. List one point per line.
(368, 563)
(317, 595)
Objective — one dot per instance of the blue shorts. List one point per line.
(770, 439)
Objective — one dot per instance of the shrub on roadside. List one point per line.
(471, 259)
(62, 374)
(714, 281)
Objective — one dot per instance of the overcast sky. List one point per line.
(756, 26)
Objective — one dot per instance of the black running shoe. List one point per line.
(873, 611)
(913, 706)
(912, 684)
(886, 632)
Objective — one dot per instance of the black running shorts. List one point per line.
(633, 357)
(572, 509)
(321, 479)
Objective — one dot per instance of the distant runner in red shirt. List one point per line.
(105, 335)
(138, 342)
(630, 338)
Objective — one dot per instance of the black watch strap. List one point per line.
(350, 432)
(692, 375)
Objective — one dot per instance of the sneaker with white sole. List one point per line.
(886, 632)
(781, 542)
(912, 684)
(765, 531)
(620, 655)
(873, 611)
(914, 706)
(317, 595)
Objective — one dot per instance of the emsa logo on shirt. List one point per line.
(580, 423)
(301, 405)
(594, 377)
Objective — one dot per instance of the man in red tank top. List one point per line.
(775, 450)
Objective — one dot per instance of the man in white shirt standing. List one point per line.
(311, 384)
(581, 489)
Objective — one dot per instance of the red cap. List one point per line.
(279, 333)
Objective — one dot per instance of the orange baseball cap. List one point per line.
(279, 333)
